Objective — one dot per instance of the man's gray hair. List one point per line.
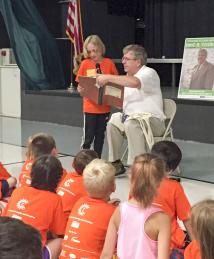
(138, 51)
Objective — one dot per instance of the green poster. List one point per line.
(197, 73)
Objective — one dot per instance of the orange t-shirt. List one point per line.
(88, 68)
(38, 208)
(172, 199)
(192, 251)
(70, 190)
(25, 178)
(86, 229)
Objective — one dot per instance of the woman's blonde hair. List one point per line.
(202, 221)
(97, 42)
(99, 178)
(146, 173)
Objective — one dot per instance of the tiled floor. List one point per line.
(14, 134)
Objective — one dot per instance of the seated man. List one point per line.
(142, 107)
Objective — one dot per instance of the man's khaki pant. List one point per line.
(130, 129)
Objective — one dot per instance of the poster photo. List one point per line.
(197, 72)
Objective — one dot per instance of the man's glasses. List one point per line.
(127, 59)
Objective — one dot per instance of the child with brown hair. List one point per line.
(38, 144)
(72, 187)
(202, 221)
(170, 195)
(140, 229)
(88, 222)
(28, 245)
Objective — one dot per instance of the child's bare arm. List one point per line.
(111, 236)
(164, 236)
(188, 228)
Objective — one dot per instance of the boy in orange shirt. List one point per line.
(171, 197)
(95, 116)
(72, 188)
(38, 145)
(88, 222)
(38, 205)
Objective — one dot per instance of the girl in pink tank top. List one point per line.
(141, 230)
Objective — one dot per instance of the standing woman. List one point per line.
(95, 116)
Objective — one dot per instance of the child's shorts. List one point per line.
(46, 254)
(177, 253)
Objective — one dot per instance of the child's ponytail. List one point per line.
(146, 172)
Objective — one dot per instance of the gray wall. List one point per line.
(194, 121)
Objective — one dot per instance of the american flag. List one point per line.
(74, 28)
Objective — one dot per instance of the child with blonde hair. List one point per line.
(140, 229)
(96, 116)
(202, 221)
(88, 221)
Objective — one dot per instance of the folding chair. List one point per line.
(169, 109)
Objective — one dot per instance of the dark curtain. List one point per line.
(133, 8)
(169, 22)
(35, 50)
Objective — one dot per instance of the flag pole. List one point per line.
(74, 32)
(71, 87)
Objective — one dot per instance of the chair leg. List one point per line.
(171, 135)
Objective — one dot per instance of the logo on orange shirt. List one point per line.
(82, 208)
(21, 204)
(29, 165)
(91, 72)
(68, 182)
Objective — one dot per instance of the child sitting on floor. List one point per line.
(39, 205)
(202, 221)
(89, 218)
(19, 240)
(141, 230)
(38, 145)
(72, 187)
(171, 197)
